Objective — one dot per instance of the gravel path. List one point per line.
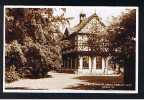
(57, 81)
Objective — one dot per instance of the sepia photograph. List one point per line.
(70, 49)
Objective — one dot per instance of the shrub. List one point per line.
(11, 74)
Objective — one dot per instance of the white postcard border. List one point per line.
(69, 90)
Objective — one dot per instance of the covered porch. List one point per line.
(88, 64)
(95, 65)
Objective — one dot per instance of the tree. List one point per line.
(33, 40)
(121, 36)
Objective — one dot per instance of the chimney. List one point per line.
(82, 17)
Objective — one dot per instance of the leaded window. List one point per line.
(98, 62)
(85, 62)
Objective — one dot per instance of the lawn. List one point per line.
(102, 83)
(102, 79)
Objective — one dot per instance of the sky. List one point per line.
(105, 13)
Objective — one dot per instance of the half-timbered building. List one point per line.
(88, 52)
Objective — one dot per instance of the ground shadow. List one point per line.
(101, 83)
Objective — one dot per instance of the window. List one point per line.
(85, 62)
(82, 43)
(98, 62)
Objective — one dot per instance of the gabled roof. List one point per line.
(80, 27)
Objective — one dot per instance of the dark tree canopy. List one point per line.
(33, 40)
(122, 34)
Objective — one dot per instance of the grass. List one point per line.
(102, 79)
(102, 83)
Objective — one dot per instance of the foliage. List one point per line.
(33, 40)
(11, 74)
(122, 42)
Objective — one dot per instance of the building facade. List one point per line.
(87, 53)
